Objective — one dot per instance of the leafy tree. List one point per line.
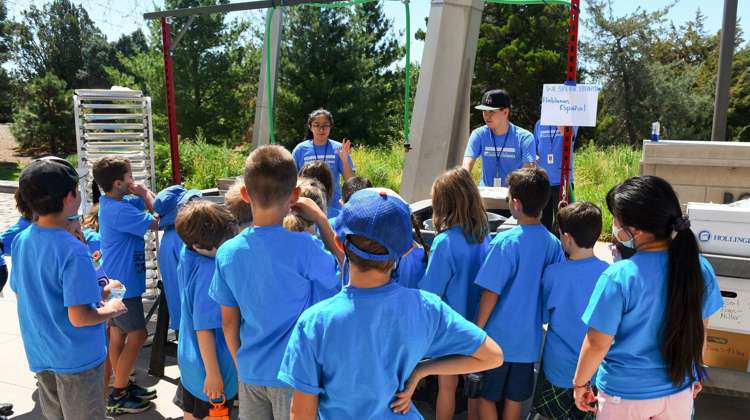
(6, 98)
(520, 48)
(215, 72)
(60, 38)
(45, 118)
(342, 59)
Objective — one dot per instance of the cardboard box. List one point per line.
(721, 229)
(727, 350)
(734, 316)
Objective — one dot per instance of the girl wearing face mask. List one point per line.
(647, 314)
(319, 147)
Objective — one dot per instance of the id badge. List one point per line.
(550, 159)
(497, 182)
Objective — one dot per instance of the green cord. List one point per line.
(407, 76)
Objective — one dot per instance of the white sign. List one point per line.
(573, 106)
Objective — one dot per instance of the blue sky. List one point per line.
(117, 17)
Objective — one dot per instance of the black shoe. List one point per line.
(6, 409)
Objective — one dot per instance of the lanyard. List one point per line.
(497, 154)
(325, 151)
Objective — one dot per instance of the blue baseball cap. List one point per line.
(381, 215)
(169, 201)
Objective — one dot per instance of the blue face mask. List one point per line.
(630, 243)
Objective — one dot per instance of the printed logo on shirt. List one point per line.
(329, 159)
(508, 152)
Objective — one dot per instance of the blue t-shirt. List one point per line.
(549, 142)
(453, 266)
(307, 152)
(12, 232)
(629, 303)
(122, 224)
(52, 271)
(93, 240)
(268, 272)
(567, 288)
(169, 256)
(358, 349)
(501, 154)
(200, 312)
(513, 269)
(411, 268)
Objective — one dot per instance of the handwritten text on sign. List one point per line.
(573, 106)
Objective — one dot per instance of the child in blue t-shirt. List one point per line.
(567, 288)
(53, 277)
(455, 257)
(166, 204)
(6, 238)
(510, 306)
(264, 278)
(357, 354)
(90, 225)
(123, 222)
(319, 147)
(648, 314)
(207, 372)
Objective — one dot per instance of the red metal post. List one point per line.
(567, 149)
(174, 148)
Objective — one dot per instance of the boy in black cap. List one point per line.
(357, 355)
(503, 146)
(61, 326)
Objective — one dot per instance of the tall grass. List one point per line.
(598, 169)
(382, 165)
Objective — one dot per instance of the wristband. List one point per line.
(586, 385)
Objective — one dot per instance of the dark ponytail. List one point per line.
(650, 204)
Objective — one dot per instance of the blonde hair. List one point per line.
(91, 219)
(237, 206)
(456, 202)
(313, 190)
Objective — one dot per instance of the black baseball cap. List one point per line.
(494, 99)
(51, 174)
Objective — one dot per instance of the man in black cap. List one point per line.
(503, 146)
(53, 277)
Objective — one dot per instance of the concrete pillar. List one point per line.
(261, 130)
(440, 120)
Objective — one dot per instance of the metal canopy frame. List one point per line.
(168, 48)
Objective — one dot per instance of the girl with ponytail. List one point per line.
(648, 314)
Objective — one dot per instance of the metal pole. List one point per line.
(724, 75)
(174, 148)
(567, 148)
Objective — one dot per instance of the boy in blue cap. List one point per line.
(357, 355)
(264, 279)
(167, 204)
(510, 306)
(123, 222)
(61, 326)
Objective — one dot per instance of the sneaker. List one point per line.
(142, 393)
(126, 404)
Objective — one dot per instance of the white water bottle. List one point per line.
(655, 128)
